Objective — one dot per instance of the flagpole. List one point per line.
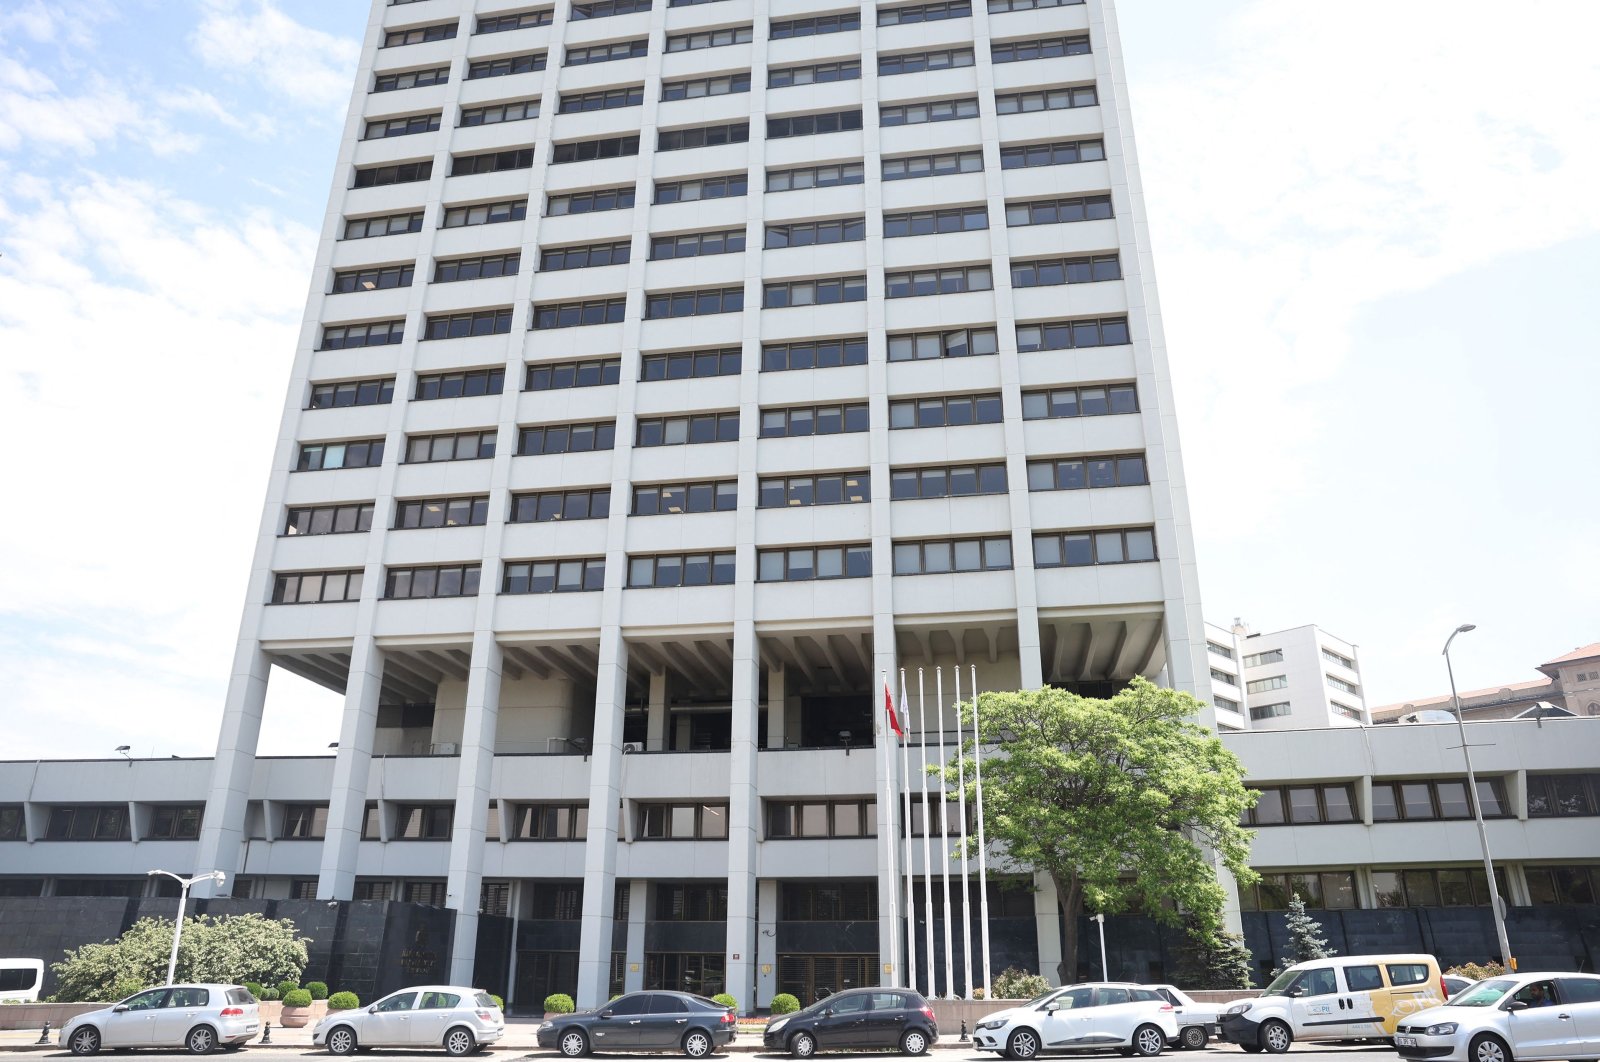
(894, 882)
(927, 829)
(966, 887)
(905, 794)
(944, 848)
(983, 859)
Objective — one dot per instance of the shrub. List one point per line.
(254, 988)
(978, 993)
(123, 987)
(498, 1002)
(318, 989)
(559, 1003)
(285, 987)
(215, 950)
(343, 1001)
(1476, 971)
(297, 997)
(726, 1000)
(1019, 984)
(269, 995)
(784, 1003)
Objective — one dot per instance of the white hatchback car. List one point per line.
(460, 1020)
(1197, 1022)
(1081, 1018)
(199, 1018)
(1521, 1017)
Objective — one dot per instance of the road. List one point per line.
(1215, 1053)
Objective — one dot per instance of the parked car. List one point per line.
(199, 1018)
(1081, 1018)
(459, 1019)
(857, 1018)
(644, 1021)
(1350, 997)
(1197, 1022)
(21, 979)
(1525, 1017)
(1452, 985)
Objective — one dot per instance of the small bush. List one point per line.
(253, 988)
(297, 997)
(343, 1001)
(268, 995)
(726, 1000)
(498, 1002)
(1019, 984)
(1477, 972)
(559, 1003)
(317, 989)
(784, 1003)
(285, 987)
(123, 987)
(978, 993)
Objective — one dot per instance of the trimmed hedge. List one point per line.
(285, 987)
(268, 995)
(344, 1001)
(784, 1003)
(726, 1000)
(253, 988)
(317, 989)
(498, 1001)
(559, 1003)
(297, 997)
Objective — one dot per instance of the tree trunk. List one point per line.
(1069, 894)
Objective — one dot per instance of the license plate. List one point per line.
(1405, 1041)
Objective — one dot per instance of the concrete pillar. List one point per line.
(347, 803)
(600, 849)
(775, 708)
(744, 818)
(1047, 924)
(468, 835)
(886, 772)
(767, 939)
(656, 713)
(222, 831)
(638, 912)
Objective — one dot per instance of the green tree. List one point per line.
(1214, 960)
(229, 950)
(1123, 802)
(1306, 941)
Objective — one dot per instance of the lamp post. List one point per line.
(1105, 972)
(1477, 805)
(217, 876)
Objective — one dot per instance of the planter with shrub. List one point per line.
(558, 1003)
(784, 1003)
(296, 1009)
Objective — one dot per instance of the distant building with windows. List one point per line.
(1570, 686)
(1283, 680)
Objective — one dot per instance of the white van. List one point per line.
(1348, 997)
(21, 979)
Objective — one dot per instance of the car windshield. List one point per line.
(1483, 994)
(1279, 983)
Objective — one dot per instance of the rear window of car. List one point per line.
(1150, 995)
(1112, 996)
(666, 1005)
(188, 997)
(1362, 978)
(1579, 989)
(240, 996)
(438, 1001)
(1407, 973)
(483, 999)
(888, 1001)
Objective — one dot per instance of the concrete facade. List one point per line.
(1283, 680)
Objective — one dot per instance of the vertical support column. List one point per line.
(777, 705)
(638, 911)
(468, 836)
(656, 713)
(766, 937)
(600, 849)
(886, 772)
(744, 806)
(222, 832)
(347, 802)
(1047, 924)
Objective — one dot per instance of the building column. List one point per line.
(886, 773)
(222, 830)
(1047, 924)
(656, 713)
(638, 912)
(744, 815)
(777, 705)
(468, 834)
(767, 938)
(600, 848)
(347, 803)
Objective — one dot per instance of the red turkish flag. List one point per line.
(888, 706)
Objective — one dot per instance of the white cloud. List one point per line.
(254, 38)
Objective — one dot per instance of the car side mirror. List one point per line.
(827, 1012)
(372, 1009)
(1051, 1008)
(119, 1008)
(1515, 1005)
(604, 1015)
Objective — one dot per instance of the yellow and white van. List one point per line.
(1343, 998)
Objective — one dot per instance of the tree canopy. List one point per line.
(1125, 802)
(227, 950)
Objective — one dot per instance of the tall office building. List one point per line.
(672, 373)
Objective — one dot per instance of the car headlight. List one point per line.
(990, 1024)
(775, 1026)
(1238, 1008)
(1447, 1028)
(547, 1025)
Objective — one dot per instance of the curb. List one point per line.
(505, 1051)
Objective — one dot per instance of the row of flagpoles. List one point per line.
(898, 723)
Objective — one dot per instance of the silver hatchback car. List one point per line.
(458, 1019)
(199, 1018)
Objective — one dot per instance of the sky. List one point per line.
(1377, 242)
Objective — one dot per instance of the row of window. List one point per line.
(1421, 887)
(105, 822)
(1549, 795)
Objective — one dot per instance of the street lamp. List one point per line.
(1105, 973)
(183, 901)
(1477, 805)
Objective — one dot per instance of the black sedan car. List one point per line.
(857, 1018)
(643, 1021)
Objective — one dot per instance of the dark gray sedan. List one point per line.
(644, 1021)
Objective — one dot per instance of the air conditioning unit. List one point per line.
(444, 748)
(633, 746)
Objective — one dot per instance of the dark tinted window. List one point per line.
(631, 1005)
(666, 1004)
(843, 1004)
(1110, 996)
(1362, 978)
(1579, 989)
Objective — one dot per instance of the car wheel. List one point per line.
(459, 1042)
(1192, 1038)
(1487, 1048)
(802, 1045)
(914, 1042)
(341, 1040)
(574, 1044)
(1252, 1048)
(202, 1040)
(1023, 1045)
(1148, 1041)
(697, 1044)
(85, 1041)
(1276, 1037)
